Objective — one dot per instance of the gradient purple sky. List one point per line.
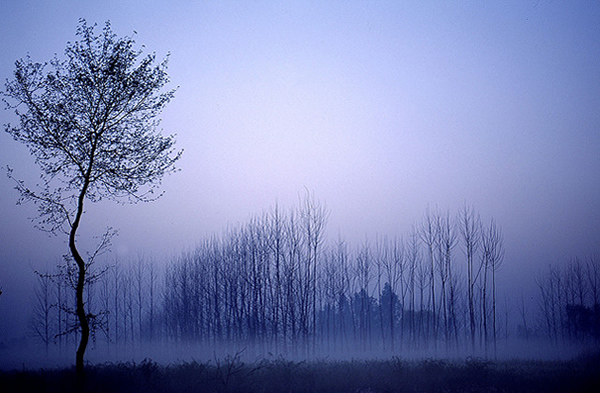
(379, 108)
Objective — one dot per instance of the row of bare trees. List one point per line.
(275, 283)
(569, 300)
(257, 284)
(123, 303)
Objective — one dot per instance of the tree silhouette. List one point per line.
(90, 120)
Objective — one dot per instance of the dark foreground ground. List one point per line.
(394, 375)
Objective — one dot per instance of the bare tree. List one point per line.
(276, 224)
(523, 313)
(90, 121)
(41, 324)
(105, 303)
(380, 256)
(413, 260)
(390, 257)
(293, 279)
(139, 284)
(469, 228)
(447, 241)
(363, 276)
(342, 290)
(493, 255)
(314, 218)
(152, 289)
(428, 237)
(593, 269)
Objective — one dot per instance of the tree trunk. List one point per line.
(80, 307)
(80, 311)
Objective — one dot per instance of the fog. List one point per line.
(382, 112)
(181, 354)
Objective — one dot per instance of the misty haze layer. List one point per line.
(384, 111)
(275, 288)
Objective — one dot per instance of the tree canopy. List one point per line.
(90, 120)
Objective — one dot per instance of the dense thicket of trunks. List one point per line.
(276, 284)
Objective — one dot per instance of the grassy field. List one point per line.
(392, 375)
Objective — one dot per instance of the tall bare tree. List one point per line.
(390, 258)
(428, 237)
(447, 240)
(41, 323)
(470, 229)
(314, 216)
(493, 255)
(413, 260)
(90, 119)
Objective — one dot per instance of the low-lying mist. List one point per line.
(165, 354)
(274, 288)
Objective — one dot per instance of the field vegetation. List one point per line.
(232, 374)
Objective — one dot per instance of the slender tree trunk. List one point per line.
(494, 312)
(59, 301)
(80, 307)
(484, 310)
(524, 317)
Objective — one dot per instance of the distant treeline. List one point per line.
(570, 301)
(275, 283)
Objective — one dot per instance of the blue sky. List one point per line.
(380, 109)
